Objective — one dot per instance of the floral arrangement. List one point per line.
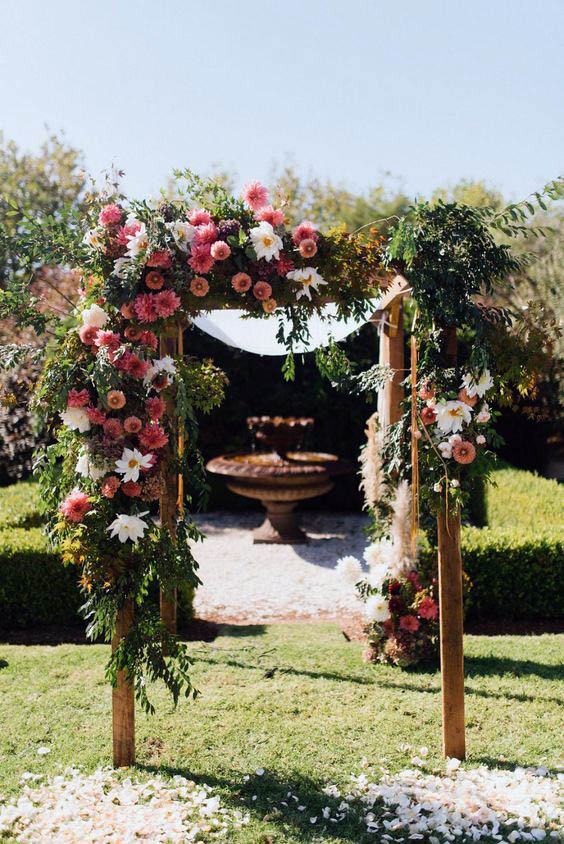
(212, 250)
(400, 609)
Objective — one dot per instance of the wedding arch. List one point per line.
(122, 399)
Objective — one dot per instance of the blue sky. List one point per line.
(430, 91)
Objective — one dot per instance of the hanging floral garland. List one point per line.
(116, 401)
(444, 446)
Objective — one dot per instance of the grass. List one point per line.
(295, 700)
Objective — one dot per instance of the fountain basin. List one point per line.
(279, 483)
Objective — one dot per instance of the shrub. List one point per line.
(515, 565)
(35, 588)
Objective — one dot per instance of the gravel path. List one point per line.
(245, 583)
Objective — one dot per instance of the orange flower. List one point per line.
(464, 452)
(269, 306)
(154, 280)
(469, 400)
(115, 399)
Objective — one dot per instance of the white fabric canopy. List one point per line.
(259, 335)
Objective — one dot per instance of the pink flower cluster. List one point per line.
(149, 307)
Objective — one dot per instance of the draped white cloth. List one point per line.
(259, 335)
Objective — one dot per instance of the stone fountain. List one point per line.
(279, 475)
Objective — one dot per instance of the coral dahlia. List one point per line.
(241, 282)
(464, 452)
(262, 291)
(78, 398)
(255, 195)
(199, 286)
(75, 506)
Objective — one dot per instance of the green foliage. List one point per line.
(35, 589)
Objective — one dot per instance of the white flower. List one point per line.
(446, 450)
(437, 487)
(452, 415)
(349, 568)
(94, 316)
(480, 439)
(266, 242)
(484, 415)
(94, 238)
(86, 468)
(454, 483)
(380, 553)
(138, 242)
(183, 234)
(131, 462)
(378, 574)
(309, 278)
(477, 386)
(376, 608)
(76, 418)
(128, 527)
(165, 364)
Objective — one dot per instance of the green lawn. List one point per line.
(294, 700)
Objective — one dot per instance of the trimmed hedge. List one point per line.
(35, 588)
(516, 564)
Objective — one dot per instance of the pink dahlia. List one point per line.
(201, 260)
(409, 623)
(428, 609)
(160, 258)
(255, 195)
(132, 425)
(205, 234)
(145, 307)
(308, 247)
(241, 282)
(166, 303)
(199, 217)
(131, 489)
(113, 429)
(304, 231)
(126, 232)
(122, 363)
(262, 291)
(284, 265)
(110, 486)
(108, 339)
(155, 407)
(152, 436)
(75, 506)
(78, 398)
(154, 280)
(199, 286)
(220, 250)
(96, 415)
(268, 214)
(149, 339)
(88, 334)
(127, 310)
(137, 367)
(110, 215)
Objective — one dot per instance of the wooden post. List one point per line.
(168, 502)
(123, 698)
(392, 353)
(451, 615)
